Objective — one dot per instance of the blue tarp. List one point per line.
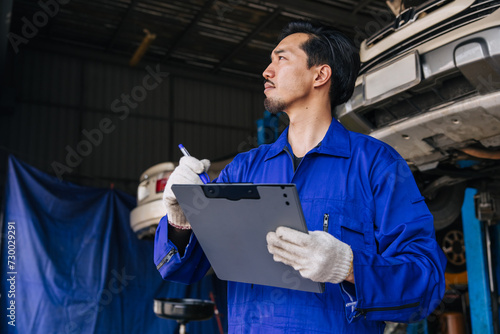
(71, 263)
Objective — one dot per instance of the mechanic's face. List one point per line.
(288, 80)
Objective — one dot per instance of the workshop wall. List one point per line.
(95, 122)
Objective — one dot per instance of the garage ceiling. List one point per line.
(217, 36)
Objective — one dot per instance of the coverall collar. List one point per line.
(336, 142)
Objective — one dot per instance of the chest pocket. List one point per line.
(357, 234)
(346, 221)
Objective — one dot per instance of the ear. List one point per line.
(323, 75)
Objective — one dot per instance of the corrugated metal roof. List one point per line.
(231, 36)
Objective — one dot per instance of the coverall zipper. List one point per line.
(389, 308)
(325, 222)
(167, 258)
(291, 157)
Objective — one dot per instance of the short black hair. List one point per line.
(327, 45)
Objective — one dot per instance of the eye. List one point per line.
(281, 57)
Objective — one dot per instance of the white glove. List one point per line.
(186, 173)
(318, 255)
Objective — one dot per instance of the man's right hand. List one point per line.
(186, 173)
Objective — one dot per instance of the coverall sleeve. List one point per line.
(404, 280)
(189, 268)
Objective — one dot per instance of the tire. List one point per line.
(451, 241)
(446, 206)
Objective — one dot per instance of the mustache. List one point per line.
(268, 81)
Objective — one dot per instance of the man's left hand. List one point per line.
(317, 255)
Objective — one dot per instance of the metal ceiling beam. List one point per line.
(361, 5)
(322, 12)
(244, 43)
(208, 4)
(121, 24)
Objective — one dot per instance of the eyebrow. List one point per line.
(277, 52)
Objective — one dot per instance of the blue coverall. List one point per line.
(374, 206)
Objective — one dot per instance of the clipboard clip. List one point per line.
(244, 191)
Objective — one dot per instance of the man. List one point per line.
(371, 235)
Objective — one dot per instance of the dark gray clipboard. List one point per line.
(231, 222)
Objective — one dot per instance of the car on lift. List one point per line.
(429, 86)
(150, 208)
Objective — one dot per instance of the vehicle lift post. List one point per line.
(481, 239)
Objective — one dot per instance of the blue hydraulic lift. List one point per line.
(482, 251)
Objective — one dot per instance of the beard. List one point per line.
(274, 106)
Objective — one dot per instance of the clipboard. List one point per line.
(231, 222)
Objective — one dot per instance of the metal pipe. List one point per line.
(141, 50)
(481, 153)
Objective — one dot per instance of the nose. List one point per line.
(268, 72)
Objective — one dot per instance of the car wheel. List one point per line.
(451, 241)
(446, 205)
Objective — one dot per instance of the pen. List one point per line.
(203, 176)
